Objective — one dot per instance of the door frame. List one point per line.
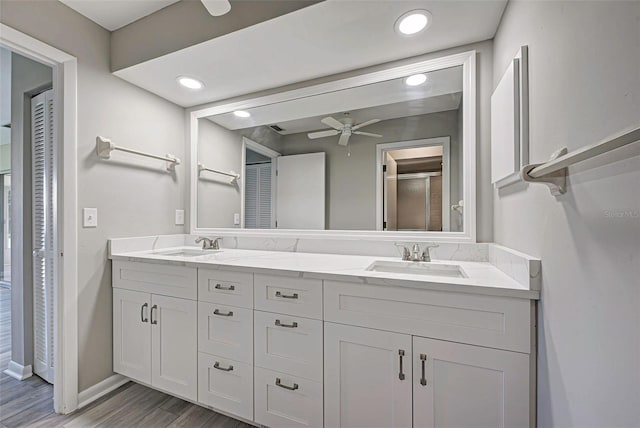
(266, 151)
(383, 148)
(64, 67)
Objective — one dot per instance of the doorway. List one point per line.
(415, 190)
(258, 185)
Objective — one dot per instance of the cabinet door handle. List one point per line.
(290, 388)
(228, 314)
(287, 296)
(142, 318)
(423, 359)
(153, 321)
(224, 369)
(221, 287)
(292, 325)
(401, 354)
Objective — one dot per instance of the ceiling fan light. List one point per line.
(415, 79)
(217, 7)
(413, 22)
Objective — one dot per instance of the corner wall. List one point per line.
(584, 71)
(134, 196)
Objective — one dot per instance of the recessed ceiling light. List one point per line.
(242, 113)
(413, 22)
(190, 82)
(415, 80)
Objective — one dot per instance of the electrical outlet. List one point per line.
(236, 218)
(90, 217)
(180, 217)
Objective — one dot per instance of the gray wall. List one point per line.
(134, 196)
(584, 85)
(27, 79)
(351, 180)
(221, 149)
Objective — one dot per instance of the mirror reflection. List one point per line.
(384, 156)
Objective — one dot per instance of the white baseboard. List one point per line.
(96, 391)
(18, 371)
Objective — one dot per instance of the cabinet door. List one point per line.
(367, 377)
(132, 334)
(174, 345)
(468, 386)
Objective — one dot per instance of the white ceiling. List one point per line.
(384, 100)
(113, 14)
(326, 38)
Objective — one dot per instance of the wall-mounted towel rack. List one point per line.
(233, 175)
(104, 147)
(553, 173)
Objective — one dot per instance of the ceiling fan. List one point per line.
(345, 128)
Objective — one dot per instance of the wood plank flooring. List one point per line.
(30, 403)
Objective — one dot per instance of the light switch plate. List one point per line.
(180, 217)
(90, 217)
(236, 218)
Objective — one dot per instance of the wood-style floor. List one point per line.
(30, 403)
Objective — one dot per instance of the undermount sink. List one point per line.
(186, 253)
(418, 268)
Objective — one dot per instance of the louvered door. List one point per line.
(44, 236)
(258, 196)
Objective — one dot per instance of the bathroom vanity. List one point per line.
(292, 339)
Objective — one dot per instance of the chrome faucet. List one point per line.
(208, 243)
(415, 255)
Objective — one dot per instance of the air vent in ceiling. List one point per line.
(276, 128)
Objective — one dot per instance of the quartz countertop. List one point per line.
(482, 277)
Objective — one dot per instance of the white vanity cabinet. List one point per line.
(381, 373)
(285, 350)
(154, 340)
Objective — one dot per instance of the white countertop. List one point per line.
(482, 277)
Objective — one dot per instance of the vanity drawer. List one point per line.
(166, 280)
(226, 287)
(226, 331)
(491, 321)
(288, 344)
(288, 295)
(226, 385)
(287, 401)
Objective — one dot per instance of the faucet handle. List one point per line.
(406, 253)
(216, 243)
(426, 256)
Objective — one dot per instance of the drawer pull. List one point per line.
(287, 296)
(290, 388)
(142, 318)
(224, 369)
(423, 379)
(401, 354)
(228, 314)
(292, 325)
(153, 321)
(221, 287)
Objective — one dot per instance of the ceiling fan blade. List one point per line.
(367, 123)
(344, 139)
(335, 124)
(368, 134)
(321, 134)
(217, 7)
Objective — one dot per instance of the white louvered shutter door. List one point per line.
(264, 199)
(44, 217)
(251, 197)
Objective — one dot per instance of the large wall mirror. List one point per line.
(390, 153)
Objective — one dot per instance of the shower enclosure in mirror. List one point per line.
(392, 152)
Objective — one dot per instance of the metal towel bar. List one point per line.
(104, 147)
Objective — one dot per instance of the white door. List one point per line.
(44, 231)
(367, 378)
(132, 334)
(457, 385)
(174, 343)
(390, 193)
(258, 196)
(300, 191)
